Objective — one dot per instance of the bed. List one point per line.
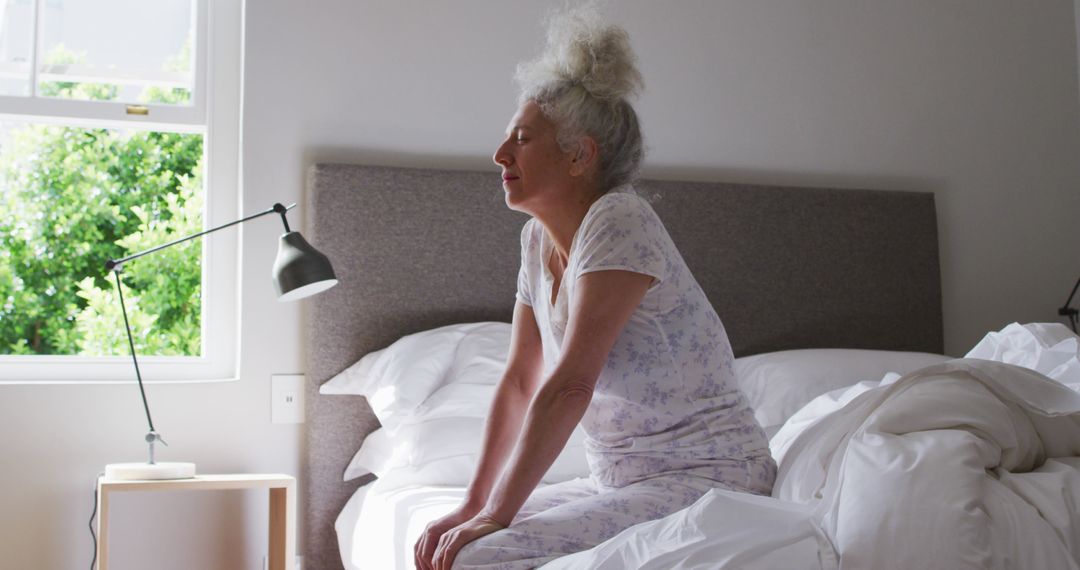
(830, 287)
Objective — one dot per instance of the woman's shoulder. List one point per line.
(530, 234)
(623, 204)
(623, 197)
(529, 228)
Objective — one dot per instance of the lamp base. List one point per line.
(149, 471)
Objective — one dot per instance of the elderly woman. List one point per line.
(610, 330)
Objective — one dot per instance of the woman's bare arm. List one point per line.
(602, 305)
(515, 390)
(599, 310)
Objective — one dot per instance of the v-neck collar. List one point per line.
(547, 245)
(546, 251)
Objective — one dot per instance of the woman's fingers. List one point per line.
(443, 558)
(452, 541)
(418, 556)
(449, 545)
(425, 549)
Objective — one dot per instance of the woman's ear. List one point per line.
(585, 160)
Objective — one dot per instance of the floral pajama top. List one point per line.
(667, 400)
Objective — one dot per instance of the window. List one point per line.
(119, 131)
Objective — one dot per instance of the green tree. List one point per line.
(173, 327)
(74, 198)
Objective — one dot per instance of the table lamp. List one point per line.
(299, 271)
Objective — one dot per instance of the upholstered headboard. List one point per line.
(416, 249)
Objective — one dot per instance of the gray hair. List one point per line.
(582, 82)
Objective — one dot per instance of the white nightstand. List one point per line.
(282, 508)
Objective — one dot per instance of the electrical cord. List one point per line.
(93, 514)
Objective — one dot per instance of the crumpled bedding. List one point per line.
(968, 464)
(973, 463)
(723, 529)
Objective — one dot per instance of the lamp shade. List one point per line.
(300, 270)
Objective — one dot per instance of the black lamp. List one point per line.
(1069, 312)
(299, 271)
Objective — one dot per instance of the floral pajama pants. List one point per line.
(576, 515)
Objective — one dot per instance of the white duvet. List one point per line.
(968, 464)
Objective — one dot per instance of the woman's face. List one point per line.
(535, 170)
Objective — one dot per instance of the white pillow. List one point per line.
(453, 471)
(399, 378)
(457, 400)
(779, 383)
(445, 452)
(415, 445)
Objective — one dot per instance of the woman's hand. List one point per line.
(424, 550)
(452, 541)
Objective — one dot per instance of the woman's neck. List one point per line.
(563, 222)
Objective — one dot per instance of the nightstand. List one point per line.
(282, 508)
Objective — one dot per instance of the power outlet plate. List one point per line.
(287, 398)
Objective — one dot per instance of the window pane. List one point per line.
(131, 51)
(72, 199)
(16, 39)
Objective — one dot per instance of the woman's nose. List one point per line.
(501, 157)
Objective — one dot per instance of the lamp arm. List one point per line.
(1069, 312)
(276, 208)
(1064, 310)
(115, 265)
(131, 343)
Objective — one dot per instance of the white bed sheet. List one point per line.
(377, 529)
(967, 464)
(723, 529)
(971, 463)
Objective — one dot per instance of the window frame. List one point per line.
(218, 51)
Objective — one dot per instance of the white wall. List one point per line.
(974, 100)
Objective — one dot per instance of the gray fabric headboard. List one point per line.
(416, 249)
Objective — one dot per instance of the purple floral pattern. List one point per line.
(576, 515)
(667, 421)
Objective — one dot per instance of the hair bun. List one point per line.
(583, 51)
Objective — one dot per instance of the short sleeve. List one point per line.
(623, 232)
(524, 293)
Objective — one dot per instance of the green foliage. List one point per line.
(76, 198)
(167, 281)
